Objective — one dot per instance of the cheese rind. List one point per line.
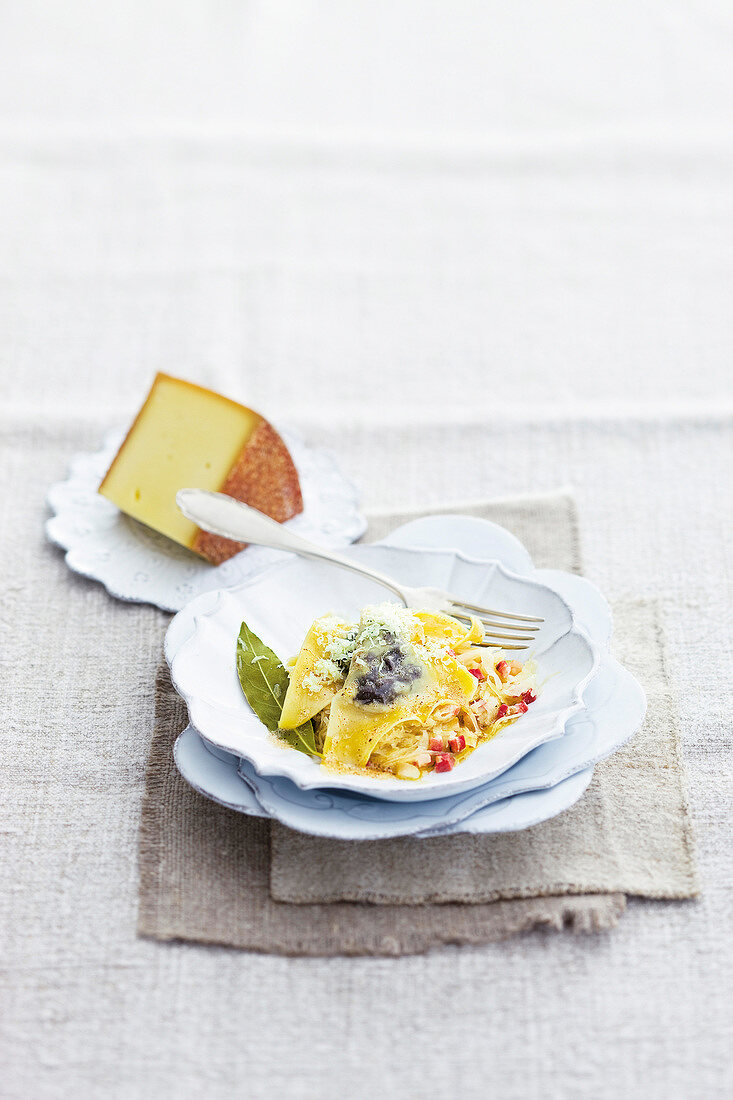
(264, 477)
(187, 436)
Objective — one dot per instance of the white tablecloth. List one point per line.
(475, 248)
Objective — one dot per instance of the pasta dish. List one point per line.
(402, 692)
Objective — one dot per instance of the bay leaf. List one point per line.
(265, 681)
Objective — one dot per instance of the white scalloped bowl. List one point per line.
(280, 604)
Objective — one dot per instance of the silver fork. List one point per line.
(222, 515)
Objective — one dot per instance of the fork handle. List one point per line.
(222, 515)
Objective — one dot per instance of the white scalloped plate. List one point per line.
(280, 604)
(135, 563)
(544, 783)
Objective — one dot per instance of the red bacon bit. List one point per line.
(436, 744)
(478, 673)
(457, 743)
(502, 668)
(528, 697)
(444, 762)
(522, 707)
(502, 711)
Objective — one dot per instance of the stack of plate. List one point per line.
(536, 768)
(589, 704)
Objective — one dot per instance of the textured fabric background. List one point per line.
(476, 247)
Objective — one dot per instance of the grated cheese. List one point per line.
(339, 639)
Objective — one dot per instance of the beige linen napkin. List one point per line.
(205, 870)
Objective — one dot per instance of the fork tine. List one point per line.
(498, 645)
(509, 626)
(498, 614)
(509, 637)
(501, 626)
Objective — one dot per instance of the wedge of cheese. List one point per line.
(187, 436)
